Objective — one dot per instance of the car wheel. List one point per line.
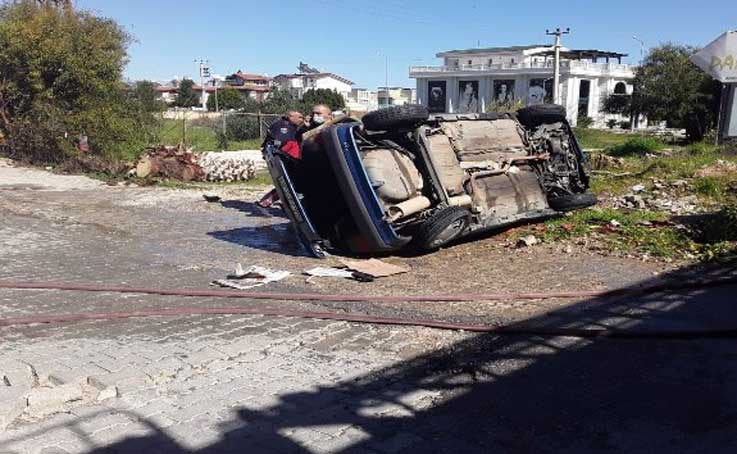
(570, 202)
(534, 116)
(408, 116)
(441, 228)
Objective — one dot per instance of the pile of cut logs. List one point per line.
(169, 162)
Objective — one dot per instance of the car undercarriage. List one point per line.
(403, 179)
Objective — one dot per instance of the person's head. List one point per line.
(296, 118)
(320, 114)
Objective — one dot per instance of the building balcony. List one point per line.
(567, 66)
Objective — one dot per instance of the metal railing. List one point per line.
(572, 65)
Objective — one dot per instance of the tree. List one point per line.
(668, 87)
(330, 98)
(186, 96)
(227, 98)
(280, 101)
(62, 79)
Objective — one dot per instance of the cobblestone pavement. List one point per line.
(210, 384)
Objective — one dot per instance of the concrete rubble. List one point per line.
(674, 197)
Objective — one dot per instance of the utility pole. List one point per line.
(204, 73)
(635, 117)
(642, 47)
(556, 65)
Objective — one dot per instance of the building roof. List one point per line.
(491, 50)
(580, 54)
(247, 76)
(314, 76)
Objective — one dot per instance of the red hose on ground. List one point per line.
(512, 329)
(364, 298)
(517, 329)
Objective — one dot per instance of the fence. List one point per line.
(208, 131)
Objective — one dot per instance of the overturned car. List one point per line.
(401, 178)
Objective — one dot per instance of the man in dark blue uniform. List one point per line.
(285, 133)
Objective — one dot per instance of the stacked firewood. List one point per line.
(227, 167)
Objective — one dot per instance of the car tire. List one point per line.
(534, 116)
(406, 117)
(570, 202)
(441, 228)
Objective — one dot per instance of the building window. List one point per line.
(470, 62)
(491, 61)
(620, 88)
(513, 61)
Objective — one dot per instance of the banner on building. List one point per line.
(436, 96)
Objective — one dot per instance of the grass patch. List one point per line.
(601, 138)
(636, 146)
(638, 232)
(201, 138)
(262, 179)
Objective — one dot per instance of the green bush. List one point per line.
(241, 127)
(62, 79)
(585, 122)
(636, 146)
(625, 125)
(611, 123)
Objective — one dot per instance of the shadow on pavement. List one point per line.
(279, 238)
(526, 394)
(252, 209)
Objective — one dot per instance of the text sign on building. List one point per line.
(719, 59)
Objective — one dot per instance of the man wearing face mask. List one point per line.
(320, 114)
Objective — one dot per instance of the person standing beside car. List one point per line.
(285, 133)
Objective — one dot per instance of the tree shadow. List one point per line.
(528, 393)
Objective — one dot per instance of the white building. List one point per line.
(311, 79)
(362, 100)
(503, 78)
(396, 96)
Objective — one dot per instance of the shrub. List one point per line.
(625, 125)
(636, 146)
(611, 124)
(62, 79)
(585, 122)
(241, 127)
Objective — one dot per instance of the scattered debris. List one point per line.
(614, 223)
(721, 168)
(374, 267)
(211, 198)
(527, 241)
(254, 276)
(672, 197)
(227, 167)
(321, 271)
(168, 162)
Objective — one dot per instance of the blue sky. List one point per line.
(351, 38)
